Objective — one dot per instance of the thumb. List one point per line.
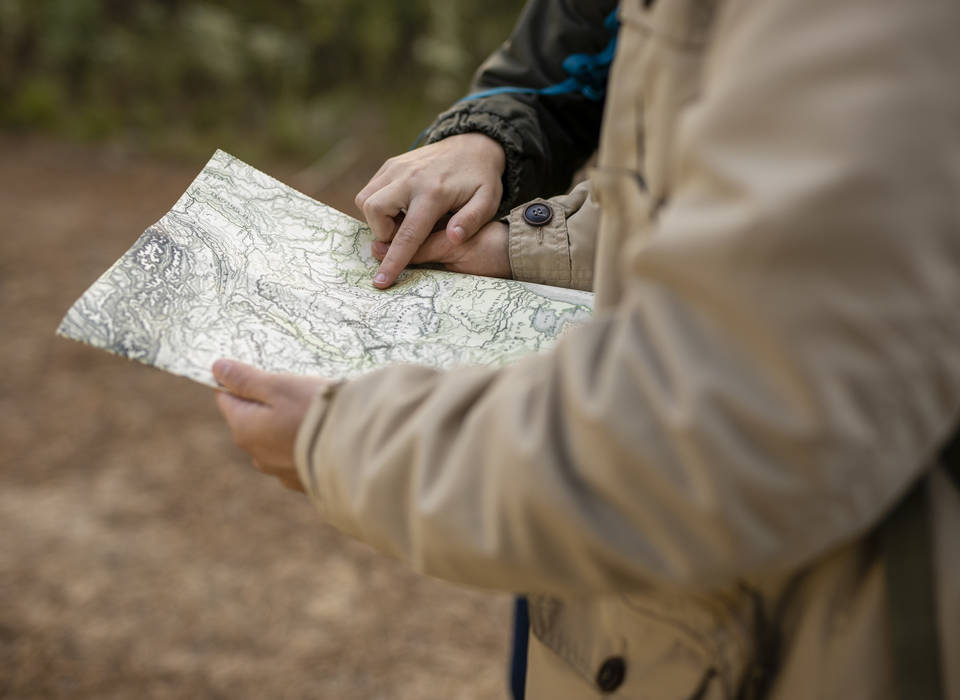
(242, 380)
(471, 217)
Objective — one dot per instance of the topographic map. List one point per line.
(245, 267)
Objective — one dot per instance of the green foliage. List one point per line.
(291, 77)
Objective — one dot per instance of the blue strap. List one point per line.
(588, 75)
(588, 72)
(518, 652)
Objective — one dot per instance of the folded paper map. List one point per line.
(247, 268)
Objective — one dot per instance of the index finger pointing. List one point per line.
(413, 231)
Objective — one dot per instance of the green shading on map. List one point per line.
(245, 267)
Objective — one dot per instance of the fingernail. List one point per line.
(220, 367)
(460, 234)
(380, 278)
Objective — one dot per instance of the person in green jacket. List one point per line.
(531, 121)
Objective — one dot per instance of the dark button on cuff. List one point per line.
(611, 674)
(537, 214)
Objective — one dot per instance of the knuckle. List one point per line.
(416, 168)
(435, 191)
(382, 233)
(378, 213)
(370, 206)
(406, 237)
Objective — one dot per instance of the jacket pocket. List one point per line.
(715, 631)
(656, 645)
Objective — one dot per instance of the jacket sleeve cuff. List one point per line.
(306, 442)
(552, 253)
(462, 121)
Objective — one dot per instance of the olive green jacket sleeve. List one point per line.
(546, 138)
(781, 361)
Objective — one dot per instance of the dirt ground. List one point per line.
(141, 556)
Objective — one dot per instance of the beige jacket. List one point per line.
(774, 359)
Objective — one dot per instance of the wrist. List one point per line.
(478, 148)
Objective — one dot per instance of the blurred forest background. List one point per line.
(283, 78)
(142, 556)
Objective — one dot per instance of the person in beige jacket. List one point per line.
(774, 361)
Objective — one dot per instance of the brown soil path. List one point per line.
(140, 554)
